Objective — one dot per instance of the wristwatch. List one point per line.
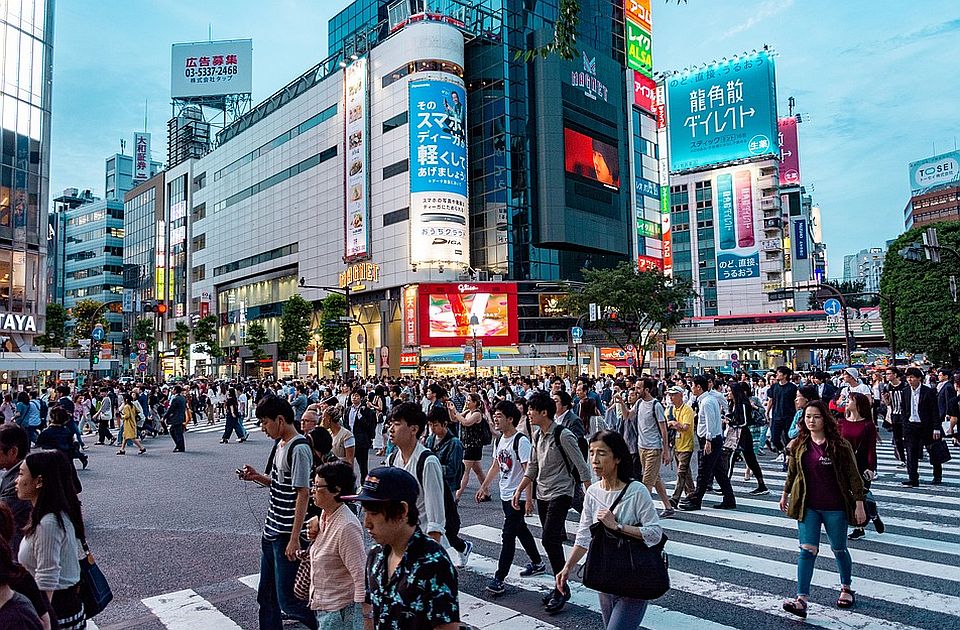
(620, 527)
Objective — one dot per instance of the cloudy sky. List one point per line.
(875, 82)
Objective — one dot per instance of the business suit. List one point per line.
(363, 424)
(20, 509)
(945, 396)
(828, 391)
(916, 435)
(175, 416)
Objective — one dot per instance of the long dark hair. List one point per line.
(57, 495)
(862, 403)
(830, 428)
(618, 448)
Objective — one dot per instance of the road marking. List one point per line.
(185, 610)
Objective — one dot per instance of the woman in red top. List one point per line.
(859, 429)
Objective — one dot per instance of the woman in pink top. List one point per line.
(338, 556)
(858, 428)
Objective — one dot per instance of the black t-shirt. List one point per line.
(19, 613)
(783, 397)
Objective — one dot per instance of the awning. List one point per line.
(525, 361)
(455, 355)
(39, 361)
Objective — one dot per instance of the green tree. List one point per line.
(927, 319)
(82, 314)
(295, 327)
(634, 306)
(256, 339)
(333, 364)
(55, 335)
(181, 342)
(143, 330)
(334, 336)
(206, 336)
(852, 293)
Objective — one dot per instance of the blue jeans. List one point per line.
(349, 618)
(621, 613)
(233, 425)
(835, 522)
(72, 425)
(275, 592)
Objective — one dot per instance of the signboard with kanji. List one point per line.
(723, 112)
(356, 164)
(211, 68)
(141, 156)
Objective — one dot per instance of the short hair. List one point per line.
(649, 384)
(437, 390)
(275, 407)
(410, 413)
(809, 392)
(320, 440)
(897, 371)
(701, 381)
(63, 390)
(339, 478)
(785, 370)
(542, 401)
(564, 397)
(440, 415)
(13, 435)
(393, 510)
(914, 372)
(509, 411)
(58, 416)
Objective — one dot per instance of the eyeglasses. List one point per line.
(318, 486)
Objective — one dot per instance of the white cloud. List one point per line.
(767, 10)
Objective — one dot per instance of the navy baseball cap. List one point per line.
(388, 483)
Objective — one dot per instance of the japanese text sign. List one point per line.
(356, 164)
(211, 68)
(639, 48)
(789, 151)
(141, 156)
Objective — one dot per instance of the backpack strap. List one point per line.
(566, 461)
(392, 458)
(516, 445)
(299, 439)
(421, 462)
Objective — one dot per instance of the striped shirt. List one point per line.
(284, 481)
(338, 558)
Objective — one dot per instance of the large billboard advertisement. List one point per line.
(211, 68)
(438, 174)
(447, 310)
(800, 239)
(723, 112)
(644, 92)
(789, 151)
(357, 163)
(738, 255)
(591, 159)
(639, 48)
(141, 156)
(935, 172)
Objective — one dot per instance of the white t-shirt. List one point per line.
(511, 471)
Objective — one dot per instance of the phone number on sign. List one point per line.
(210, 72)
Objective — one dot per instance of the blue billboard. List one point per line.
(722, 112)
(438, 140)
(800, 239)
(734, 267)
(939, 171)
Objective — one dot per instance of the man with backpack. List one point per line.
(652, 444)
(449, 450)
(557, 467)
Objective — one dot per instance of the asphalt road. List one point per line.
(166, 522)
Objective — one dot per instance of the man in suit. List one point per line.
(945, 391)
(362, 421)
(827, 390)
(175, 416)
(14, 446)
(922, 425)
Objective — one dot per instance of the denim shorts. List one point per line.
(348, 618)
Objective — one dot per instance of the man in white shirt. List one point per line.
(710, 434)
(407, 424)
(852, 383)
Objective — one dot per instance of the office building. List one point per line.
(27, 60)
(934, 190)
(866, 266)
(120, 177)
(70, 199)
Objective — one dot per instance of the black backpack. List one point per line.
(451, 516)
(289, 455)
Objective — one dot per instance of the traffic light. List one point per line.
(570, 356)
(161, 308)
(126, 347)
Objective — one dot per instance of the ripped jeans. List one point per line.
(835, 522)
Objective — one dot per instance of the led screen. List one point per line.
(450, 314)
(591, 158)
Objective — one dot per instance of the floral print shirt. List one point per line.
(422, 592)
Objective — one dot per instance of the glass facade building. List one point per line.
(26, 43)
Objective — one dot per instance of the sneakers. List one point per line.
(533, 569)
(496, 587)
(667, 513)
(759, 491)
(674, 502)
(856, 534)
(465, 555)
(878, 525)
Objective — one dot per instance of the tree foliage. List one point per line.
(334, 336)
(143, 330)
(852, 293)
(256, 339)
(927, 319)
(295, 327)
(634, 306)
(55, 335)
(181, 339)
(206, 338)
(82, 314)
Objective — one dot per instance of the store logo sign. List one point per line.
(587, 80)
(17, 323)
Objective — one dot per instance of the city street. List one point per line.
(178, 538)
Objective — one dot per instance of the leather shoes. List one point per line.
(549, 596)
(911, 484)
(724, 506)
(689, 507)
(557, 602)
(937, 482)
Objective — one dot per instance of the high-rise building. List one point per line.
(867, 266)
(119, 176)
(27, 71)
(71, 199)
(934, 190)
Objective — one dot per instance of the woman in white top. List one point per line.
(50, 548)
(635, 516)
(344, 444)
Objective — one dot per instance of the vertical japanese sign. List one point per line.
(141, 156)
(638, 11)
(639, 48)
(723, 112)
(726, 222)
(800, 239)
(438, 174)
(789, 151)
(410, 315)
(667, 238)
(357, 163)
(743, 260)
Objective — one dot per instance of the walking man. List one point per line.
(922, 426)
(653, 447)
(176, 416)
(710, 434)
(681, 418)
(780, 409)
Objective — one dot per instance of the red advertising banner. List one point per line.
(649, 263)
(452, 313)
(409, 359)
(410, 315)
(789, 151)
(644, 92)
(660, 109)
(639, 12)
(743, 198)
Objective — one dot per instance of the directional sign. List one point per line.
(576, 332)
(832, 307)
(142, 346)
(98, 333)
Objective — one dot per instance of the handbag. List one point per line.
(939, 452)
(731, 440)
(613, 555)
(301, 581)
(93, 589)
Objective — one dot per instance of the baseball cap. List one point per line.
(388, 483)
(675, 390)
(853, 372)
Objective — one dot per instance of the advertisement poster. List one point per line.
(639, 48)
(639, 12)
(789, 151)
(726, 222)
(439, 214)
(800, 239)
(745, 231)
(591, 159)
(410, 315)
(935, 172)
(644, 92)
(723, 112)
(736, 226)
(447, 310)
(211, 68)
(357, 163)
(141, 156)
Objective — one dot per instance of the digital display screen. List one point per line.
(591, 158)
(450, 314)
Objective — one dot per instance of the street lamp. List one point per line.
(474, 322)
(345, 292)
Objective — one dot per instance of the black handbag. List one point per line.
(939, 452)
(613, 555)
(94, 590)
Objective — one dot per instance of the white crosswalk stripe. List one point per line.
(249, 425)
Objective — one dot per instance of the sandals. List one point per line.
(796, 607)
(842, 603)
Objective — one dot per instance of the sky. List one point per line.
(875, 83)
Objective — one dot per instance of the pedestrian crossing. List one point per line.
(249, 425)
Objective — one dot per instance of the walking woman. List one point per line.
(50, 549)
(858, 429)
(741, 413)
(233, 423)
(344, 444)
(823, 488)
(471, 435)
(128, 431)
(634, 516)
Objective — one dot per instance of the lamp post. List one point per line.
(474, 322)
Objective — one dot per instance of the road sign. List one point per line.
(832, 306)
(630, 348)
(98, 333)
(631, 360)
(576, 332)
(734, 356)
(578, 340)
(734, 365)
(593, 311)
(142, 346)
(141, 367)
(142, 358)
(133, 356)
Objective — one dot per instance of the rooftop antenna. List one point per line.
(210, 32)
(123, 146)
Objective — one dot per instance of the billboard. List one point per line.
(357, 163)
(211, 68)
(800, 239)
(644, 92)
(723, 112)
(410, 328)
(591, 159)
(447, 309)
(789, 151)
(639, 48)
(438, 173)
(141, 156)
(738, 254)
(935, 172)
(638, 11)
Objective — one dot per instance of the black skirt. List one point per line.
(69, 609)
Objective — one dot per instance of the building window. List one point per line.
(199, 273)
(257, 259)
(199, 212)
(396, 216)
(199, 242)
(199, 181)
(395, 123)
(395, 169)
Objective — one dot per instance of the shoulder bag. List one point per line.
(93, 588)
(301, 581)
(613, 555)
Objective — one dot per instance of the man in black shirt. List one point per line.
(896, 396)
(781, 408)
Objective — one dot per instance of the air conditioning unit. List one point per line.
(483, 276)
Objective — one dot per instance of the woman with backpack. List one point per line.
(740, 417)
(473, 436)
